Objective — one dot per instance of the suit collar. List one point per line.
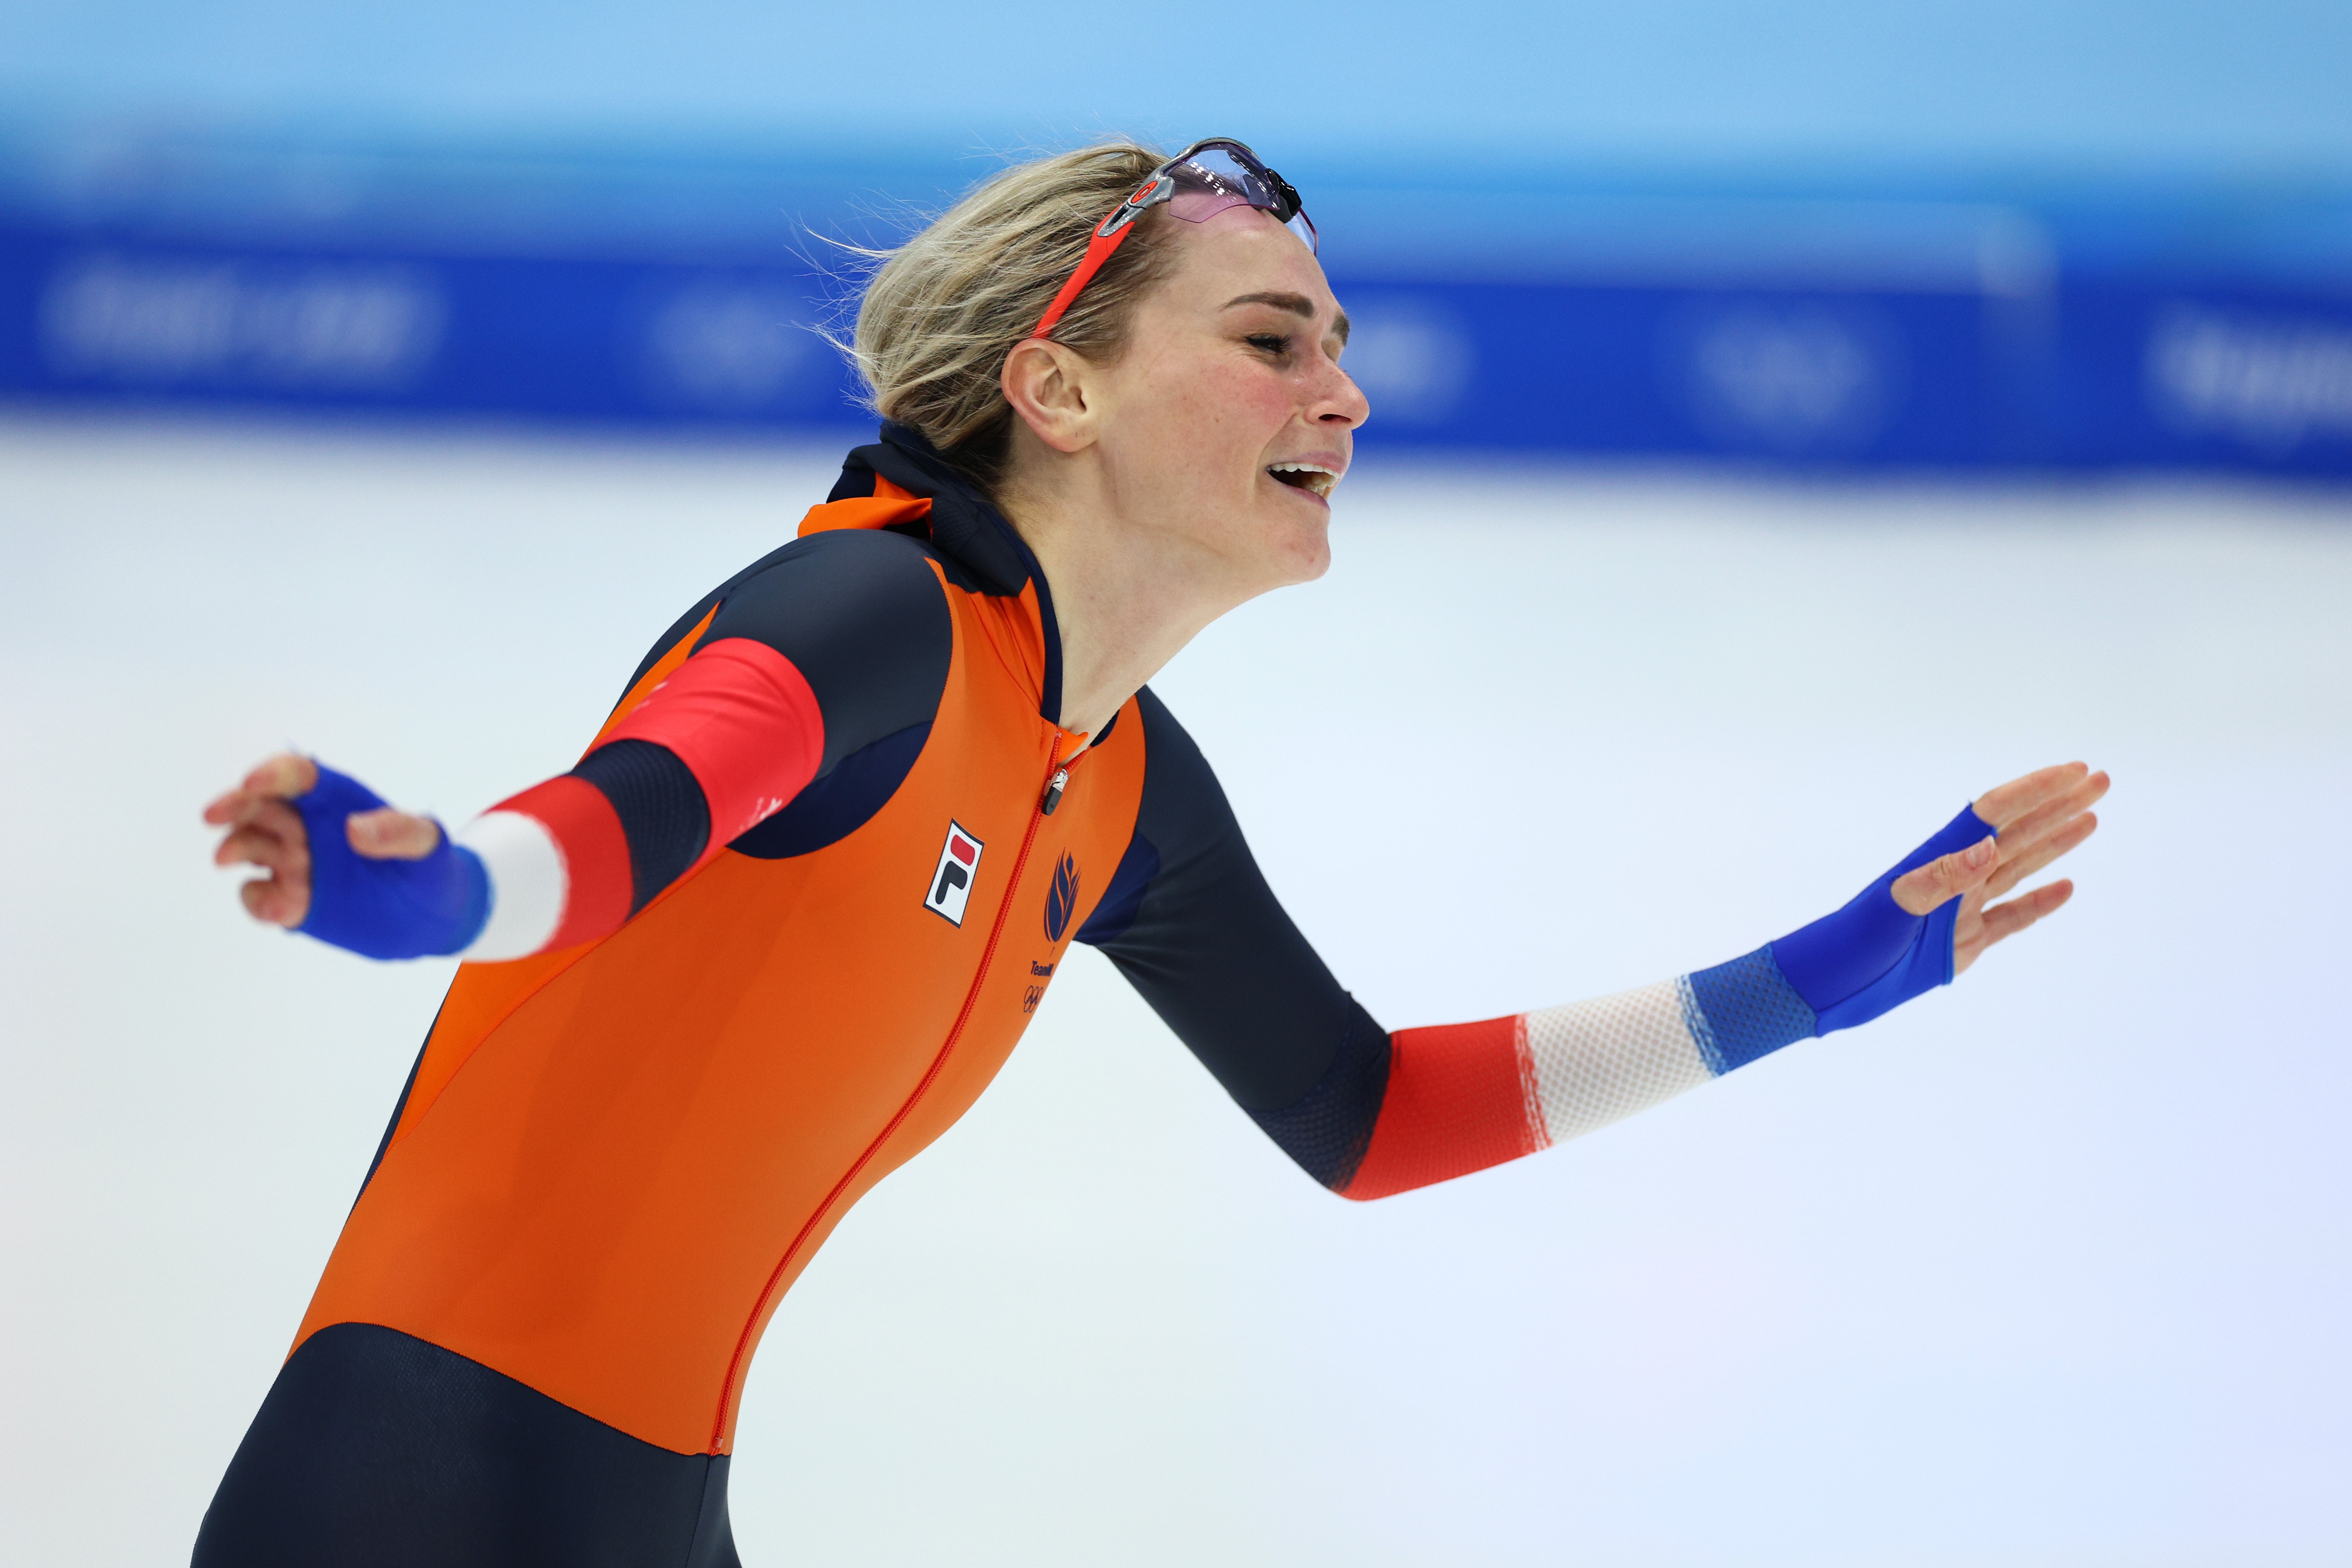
(965, 528)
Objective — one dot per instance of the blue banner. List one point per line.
(2075, 371)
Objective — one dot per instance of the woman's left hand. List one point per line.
(2037, 818)
(266, 829)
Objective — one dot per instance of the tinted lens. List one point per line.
(1214, 179)
(1216, 171)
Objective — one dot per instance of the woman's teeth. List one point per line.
(1304, 476)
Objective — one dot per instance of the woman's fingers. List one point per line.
(282, 777)
(2017, 868)
(274, 841)
(269, 823)
(2004, 920)
(2052, 815)
(237, 807)
(2007, 802)
(1924, 888)
(254, 846)
(389, 834)
(265, 831)
(288, 774)
(277, 900)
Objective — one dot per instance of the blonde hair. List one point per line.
(941, 312)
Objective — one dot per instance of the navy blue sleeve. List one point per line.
(1190, 920)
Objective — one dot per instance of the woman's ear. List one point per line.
(1049, 385)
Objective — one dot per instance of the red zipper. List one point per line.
(1037, 815)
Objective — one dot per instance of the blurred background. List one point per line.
(1789, 422)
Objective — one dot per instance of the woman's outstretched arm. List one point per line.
(1191, 923)
(834, 643)
(1464, 1097)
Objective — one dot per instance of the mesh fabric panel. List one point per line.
(661, 810)
(1597, 1062)
(1328, 1128)
(1745, 1009)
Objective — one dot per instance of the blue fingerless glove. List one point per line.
(1844, 969)
(385, 909)
(1871, 955)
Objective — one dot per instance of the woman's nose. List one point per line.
(1343, 402)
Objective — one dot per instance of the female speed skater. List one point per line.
(795, 903)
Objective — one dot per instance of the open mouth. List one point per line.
(1313, 477)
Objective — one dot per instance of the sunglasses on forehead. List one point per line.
(1197, 183)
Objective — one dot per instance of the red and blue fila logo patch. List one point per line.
(950, 887)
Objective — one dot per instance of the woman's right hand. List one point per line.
(266, 830)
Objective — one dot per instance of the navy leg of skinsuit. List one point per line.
(401, 1453)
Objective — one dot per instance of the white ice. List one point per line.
(2047, 1270)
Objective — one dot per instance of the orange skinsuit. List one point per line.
(737, 1065)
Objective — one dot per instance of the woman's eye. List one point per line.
(1271, 342)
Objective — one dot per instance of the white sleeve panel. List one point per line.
(1596, 1061)
(528, 883)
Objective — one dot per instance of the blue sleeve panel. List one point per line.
(385, 909)
(1842, 969)
(1738, 1011)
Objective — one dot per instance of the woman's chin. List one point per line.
(1270, 543)
(1302, 547)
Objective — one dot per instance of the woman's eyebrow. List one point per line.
(1297, 304)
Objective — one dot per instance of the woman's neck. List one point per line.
(1126, 599)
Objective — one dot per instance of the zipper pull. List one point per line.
(1054, 789)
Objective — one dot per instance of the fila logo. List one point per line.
(951, 884)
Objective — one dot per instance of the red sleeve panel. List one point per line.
(833, 647)
(743, 719)
(594, 854)
(724, 743)
(1460, 1098)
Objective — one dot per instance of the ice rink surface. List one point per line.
(2050, 1269)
